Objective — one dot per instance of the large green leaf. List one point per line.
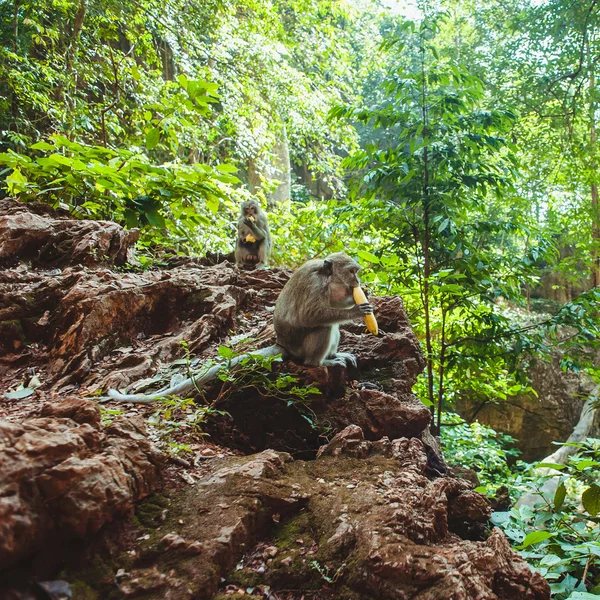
(591, 499)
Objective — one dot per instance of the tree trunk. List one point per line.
(275, 167)
(595, 208)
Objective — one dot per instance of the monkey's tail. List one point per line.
(191, 383)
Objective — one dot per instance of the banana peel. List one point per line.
(370, 320)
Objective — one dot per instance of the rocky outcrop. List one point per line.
(362, 521)
(52, 238)
(63, 476)
(375, 516)
(537, 421)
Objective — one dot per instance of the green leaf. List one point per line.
(152, 138)
(60, 159)
(368, 256)
(212, 204)
(584, 464)
(591, 499)
(16, 182)
(535, 537)
(390, 260)
(545, 465)
(560, 495)
(225, 352)
(155, 218)
(42, 146)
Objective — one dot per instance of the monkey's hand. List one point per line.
(365, 308)
(249, 223)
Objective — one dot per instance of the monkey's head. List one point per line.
(342, 274)
(250, 208)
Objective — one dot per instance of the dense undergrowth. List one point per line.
(560, 534)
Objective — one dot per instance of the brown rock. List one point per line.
(60, 476)
(379, 414)
(381, 515)
(52, 239)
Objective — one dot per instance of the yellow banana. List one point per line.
(370, 320)
(250, 237)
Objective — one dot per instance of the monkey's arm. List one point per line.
(331, 316)
(191, 383)
(258, 232)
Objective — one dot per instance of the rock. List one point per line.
(63, 477)
(50, 238)
(405, 535)
(537, 421)
(350, 442)
(379, 414)
(224, 513)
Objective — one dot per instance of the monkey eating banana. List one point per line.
(318, 297)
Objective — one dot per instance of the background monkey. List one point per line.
(253, 243)
(311, 306)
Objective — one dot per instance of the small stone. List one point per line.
(172, 540)
(287, 561)
(194, 548)
(350, 486)
(299, 541)
(270, 551)
(187, 478)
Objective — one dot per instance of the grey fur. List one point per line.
(313, 303)
(311, 306)
(259, 228)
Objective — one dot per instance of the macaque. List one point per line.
(309, 310)
(253, 243)
(311, 306)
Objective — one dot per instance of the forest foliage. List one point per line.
(450, 146)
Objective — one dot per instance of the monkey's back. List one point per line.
(297, 307)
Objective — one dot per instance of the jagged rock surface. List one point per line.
(365, 516)
(64, 476)
(363, 510)
(52, 238)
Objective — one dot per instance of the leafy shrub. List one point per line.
(479, 448)
(560, 535)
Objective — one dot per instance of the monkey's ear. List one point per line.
(328, 266)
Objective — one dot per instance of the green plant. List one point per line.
(174, 415)
(560, 534)
(256, 372)
(175, 203)
(479, 448)
(107, 415)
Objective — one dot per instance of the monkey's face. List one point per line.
(343, 279)
(250, 209)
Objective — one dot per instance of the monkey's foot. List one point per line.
(343, 359)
